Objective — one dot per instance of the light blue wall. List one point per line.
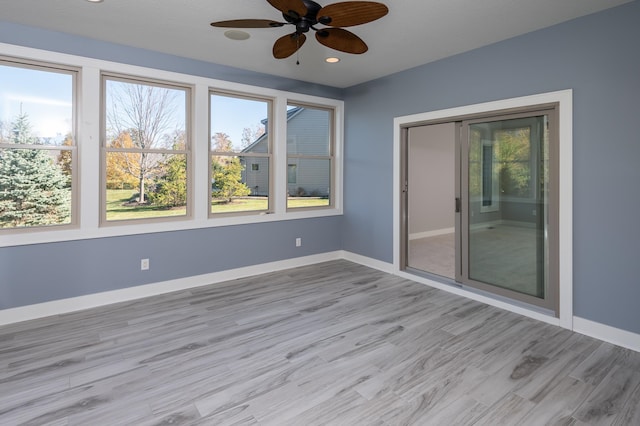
(44, 272)
(597, 56)
(65, 43)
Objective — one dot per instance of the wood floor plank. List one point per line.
(330, 344)
(559, 403)
(608, 399)
(630, 412)
(509, 410)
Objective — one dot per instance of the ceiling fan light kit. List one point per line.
(305, 15)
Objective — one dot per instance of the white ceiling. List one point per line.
(413, 33)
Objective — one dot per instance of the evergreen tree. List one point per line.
(33, 189)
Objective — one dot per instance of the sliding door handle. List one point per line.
(457, 205)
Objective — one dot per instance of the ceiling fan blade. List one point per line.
(287, 45)
(247, 23)
(289, 6)
(350, 13)
(342, 40)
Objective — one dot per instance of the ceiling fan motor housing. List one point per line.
(304, 23)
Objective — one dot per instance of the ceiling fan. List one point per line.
(307, 14)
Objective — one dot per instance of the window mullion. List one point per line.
(88, 140)
(200, 148)
(280, 155)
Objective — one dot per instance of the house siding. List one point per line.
(308, 134)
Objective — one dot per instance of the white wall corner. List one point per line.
(369, 262)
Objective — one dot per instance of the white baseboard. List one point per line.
(613, 335)
(367, 261)
(589, 328)
(434, 233)
(63, 306)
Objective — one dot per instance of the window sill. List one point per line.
(54, 235)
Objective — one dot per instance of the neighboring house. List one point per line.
(255, 170)
(308, 135)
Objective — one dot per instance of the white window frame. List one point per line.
(88, 145)
(75, 73)
(105, 149)
(269, 155)
(330, 157)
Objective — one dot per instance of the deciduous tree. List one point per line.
(146, 113)
(170, 185)
(250, 135)
(227, 180)
(123, 168)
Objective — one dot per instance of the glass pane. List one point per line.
(145, 186)
(431, 219)
(292, 173)
(308, 131)
(239, 184)
(41, 99)
(311, 185)
(239, 124)
(508, 198)
(35, 187)
(145, 116)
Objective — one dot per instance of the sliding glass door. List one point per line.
(508, 207)
(480, 203)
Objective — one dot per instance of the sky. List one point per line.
(231, 115)
(46, 97)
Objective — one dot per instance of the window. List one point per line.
(292, 176)
(86, 122)
(310, 158)
(516, 158)
(146, 150)
(240, 136)
(37, 145)
(489, 175)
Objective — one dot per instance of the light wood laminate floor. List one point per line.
(329, 344)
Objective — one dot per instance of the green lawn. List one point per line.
(116, 210)
(293, 202)
(246, 204)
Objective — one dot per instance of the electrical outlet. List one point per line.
(144, 264)
(298, 242)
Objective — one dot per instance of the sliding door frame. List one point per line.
(550, 301)
(563, 99)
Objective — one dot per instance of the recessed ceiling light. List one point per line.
(95, 1)
(236, 35)
(332, 60)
